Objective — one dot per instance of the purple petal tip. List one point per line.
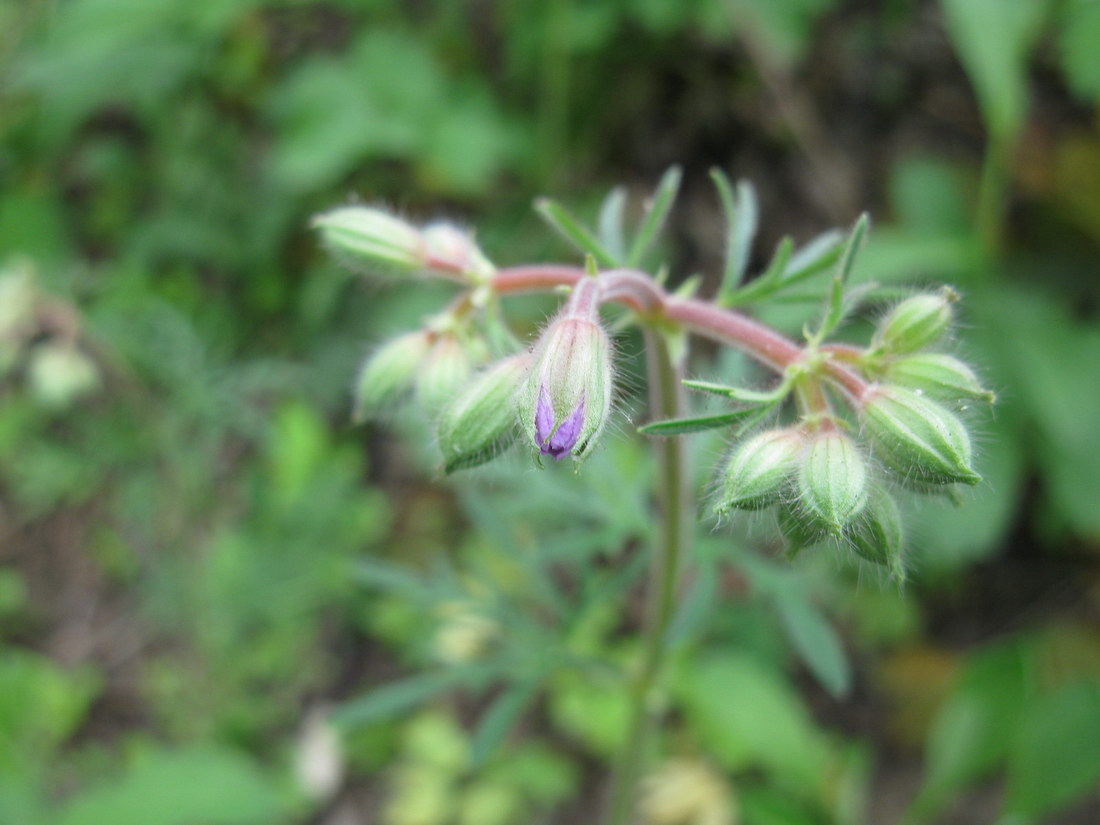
(556, 441)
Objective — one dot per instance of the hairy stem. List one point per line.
(666, 401)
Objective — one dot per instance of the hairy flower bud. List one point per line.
(916, 322)
(368, 239)
(389, 374)
(917, 438)
(452, 248)
(877, 534)
(759, 469)
(799, 527)
(936, 375)
(566, 399)
(833, 479)
(481, 421)
(446, 370)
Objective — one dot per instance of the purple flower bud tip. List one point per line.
(556, 440)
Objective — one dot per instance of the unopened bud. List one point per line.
(447, 369)
(833, 479)
(936, 375)
(369, 240)
(877, 534)
(481, 421)
(917, 438)
(759, 470)
(799, 527)
(566, 399)
(452, 248)
(916, 322)
(464, 634)
(59, 374)
(388, 376)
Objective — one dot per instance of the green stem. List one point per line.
(666, 401)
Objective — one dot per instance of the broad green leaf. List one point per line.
(972, 731)
(747, 716)
(207, 784)
(655, 215)
(1077, 46)
(816, 643)
(742, 216)
(1055, 755)
(994, 39)
(574, 231)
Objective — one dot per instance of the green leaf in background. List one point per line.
(574, 231)
(747, 716)
(816, 642)
(500, 717)
(207, 784)
(398, 697)
(995, 39)
(1080, 24)
(1055, 754)
(973, 730)
(742, 218)
(611, 222)
(655, 215)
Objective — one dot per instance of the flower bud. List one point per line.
(917, 438)
(759, 470)
(877, 534)
(446, 370)
(936, 375)
(833, 479)
(464, 634)
(800, 528)
(60, 373)
(389, 374)
(368, 239)
(481, 421)
(916, 322)
(450, 247)
(566, 399)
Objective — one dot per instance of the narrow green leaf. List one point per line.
(405, 694)
(851, 249)
(655, 215)
(742, 217)
(500, 717)
(681, 426)
(770, 280)
(696, 605)
(816, 643)
(573, 230)
(814, 257)
(740, 393)
(610, 223)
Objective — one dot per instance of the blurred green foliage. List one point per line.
(197, 554)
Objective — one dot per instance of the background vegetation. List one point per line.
(202, 559)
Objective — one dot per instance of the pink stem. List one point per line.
(642, 294)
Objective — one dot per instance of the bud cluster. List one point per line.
(827, 476)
